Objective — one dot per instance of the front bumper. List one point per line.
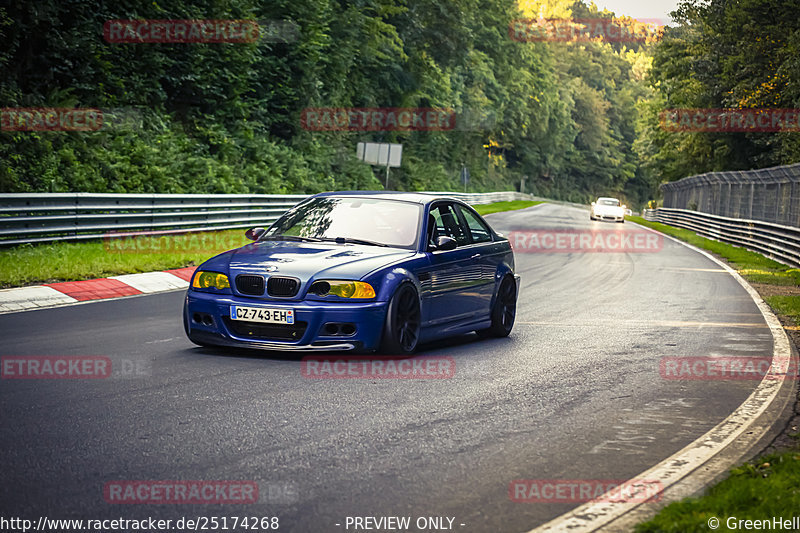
(607, 216)
(309, 332)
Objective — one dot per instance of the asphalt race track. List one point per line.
(574, 393)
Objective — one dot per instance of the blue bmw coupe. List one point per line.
(360, 271)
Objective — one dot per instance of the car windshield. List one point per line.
(608, 201)
(357, 220)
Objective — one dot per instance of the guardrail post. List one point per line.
(75, 212)
(730, 194)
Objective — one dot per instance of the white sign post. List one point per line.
(383, 154)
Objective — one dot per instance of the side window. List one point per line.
(446, 224)
(477, 229)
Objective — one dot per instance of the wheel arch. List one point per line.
(504, 270)
(386, 283)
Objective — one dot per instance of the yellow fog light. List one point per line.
(343, 289)
(352, 289)
(204, 280)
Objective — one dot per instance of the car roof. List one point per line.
(608, 198)
(416, 197)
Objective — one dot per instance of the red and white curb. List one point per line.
(72, 292)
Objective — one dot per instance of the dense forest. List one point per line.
(723, 55)
(573, 119)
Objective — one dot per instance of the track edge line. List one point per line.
(592, 516)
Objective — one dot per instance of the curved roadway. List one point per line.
(574, 393)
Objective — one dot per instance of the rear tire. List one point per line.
(504, 311)
(403, 322)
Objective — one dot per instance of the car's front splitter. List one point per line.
(204, 337)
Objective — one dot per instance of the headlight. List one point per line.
(205, 280)
(344, 289)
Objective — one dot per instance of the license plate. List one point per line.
(262, 314)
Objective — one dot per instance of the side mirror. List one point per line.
(254, 233)
(445, 243)
(624, 207)
(592, 203)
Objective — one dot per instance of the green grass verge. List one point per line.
(788, 305)
(767, 487)
(496, 207)
(67, 261)
(754, 491)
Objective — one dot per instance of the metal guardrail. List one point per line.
(45, 217)
(478, 198)
(767, 194)
(779, 242)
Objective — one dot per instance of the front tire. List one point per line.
(504, 311)
(403, 322)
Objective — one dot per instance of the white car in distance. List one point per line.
(608, 209)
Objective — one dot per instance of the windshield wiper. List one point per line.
(338, 240)
(296, 238)
(350, 240)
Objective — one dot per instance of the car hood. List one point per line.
(305, 260)
(608, 209)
